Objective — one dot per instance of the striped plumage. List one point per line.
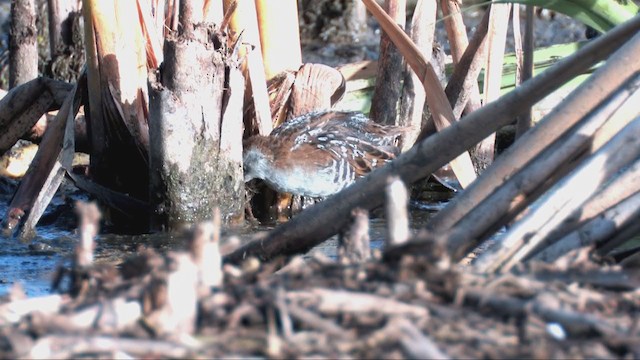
(320, 153)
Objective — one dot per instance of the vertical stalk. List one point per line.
(23, 47)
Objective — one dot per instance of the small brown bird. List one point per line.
(320, 153)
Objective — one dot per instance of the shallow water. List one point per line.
(33, 264)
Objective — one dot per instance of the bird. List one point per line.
(319, 153)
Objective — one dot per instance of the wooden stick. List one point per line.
(525, 186)
(617, 70)
(317, 223)
(496, 41)
(621, 187)
(570, 193)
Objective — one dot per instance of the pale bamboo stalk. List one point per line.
(524, 187)
(244, 24)
(421, 31)
(524, 122)
(436, 98)
(517, 43)
(617, 70)
(562, 200)
(23, 45)
(279, 36)
(319, 222)
(598, 228)
(496, 41)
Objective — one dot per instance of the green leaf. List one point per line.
(601, 15)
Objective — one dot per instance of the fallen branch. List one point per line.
(617, 70)
(564, 198)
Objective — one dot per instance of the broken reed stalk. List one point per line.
(528, 233)
(89, 220)
(524, 121)
(205, 251)
(387, 92)
(597, 229)
(414, 342)
(521, 189)
(609, 77)
(421, 31)
(397, 212)
(496, 42)
(154, 40)
(319, 222)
